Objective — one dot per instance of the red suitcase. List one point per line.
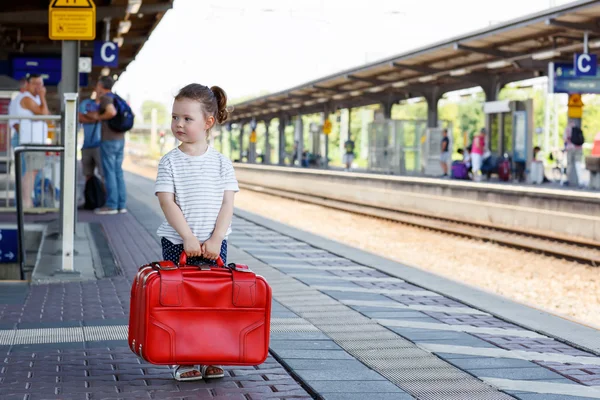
(184, 315)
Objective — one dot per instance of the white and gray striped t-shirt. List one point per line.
(199, 183)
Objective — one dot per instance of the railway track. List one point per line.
(573, 249)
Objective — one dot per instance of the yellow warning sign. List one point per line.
(327, 127)
(253, 137)
(575, 109)
(72, 20)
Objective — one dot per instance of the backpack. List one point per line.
(577, 136)
(94, 194)
(123, 121)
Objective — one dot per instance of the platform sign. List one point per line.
(520, 136)
(9, 248)
(585, 64)
(106, 54)
(327, 127)
(565, 80)
(72, 20)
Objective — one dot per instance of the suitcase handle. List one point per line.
(183, 260)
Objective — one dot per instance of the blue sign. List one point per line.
(585, 64)
(51, 78)
(9, 248)
(106, 54)
(565, 80)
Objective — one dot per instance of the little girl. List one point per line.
(195, 187)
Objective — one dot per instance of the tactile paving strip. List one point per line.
(403, 363)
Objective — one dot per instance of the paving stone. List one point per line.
(361, 396)
(314, 354)
(372, 387)
(325, 365)
(489, 362)
(517, 373)
(336, 375)
(545, 396)
(304, 345)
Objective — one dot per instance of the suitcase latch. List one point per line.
(165, 268)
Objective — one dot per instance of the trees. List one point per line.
(161, 111)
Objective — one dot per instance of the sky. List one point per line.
(249, 46)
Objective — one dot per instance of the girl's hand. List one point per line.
(211, 248)
(192, 247)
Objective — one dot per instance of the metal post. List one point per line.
(241, 142)
(299, 137)
(585, 42)
(69, 84)
(19, 197)
(267, 156)
(68, 182)
(281, 126)
(326, 138)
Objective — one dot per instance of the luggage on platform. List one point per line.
(460, 170)
(504, 170)
(184, 315)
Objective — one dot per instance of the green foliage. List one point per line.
(162, 115)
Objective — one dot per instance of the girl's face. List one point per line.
(188, 123)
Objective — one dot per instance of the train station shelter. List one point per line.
(490, 58)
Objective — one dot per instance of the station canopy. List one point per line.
(511, 51)
(24, 33)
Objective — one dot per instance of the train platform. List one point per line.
(346, 324)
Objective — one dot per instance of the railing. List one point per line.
(8, 158)
(67, 179)
(19, 198)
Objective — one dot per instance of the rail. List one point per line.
(9, 121)
(19, 198)
(570, 248)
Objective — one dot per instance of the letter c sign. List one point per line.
(106, 54)
(585, 64)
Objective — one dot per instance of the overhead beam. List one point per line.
(35, 17)
(578, 26)
(330, 89)
(417, 68)
(373, 81)
(484, 50)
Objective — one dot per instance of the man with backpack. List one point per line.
(116, 118)
(574, 140)
(94, 192)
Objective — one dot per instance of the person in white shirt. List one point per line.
(33, 102)
(14, 123)
(195, 187)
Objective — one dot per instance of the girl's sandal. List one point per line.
(220, 374)
(186, 369)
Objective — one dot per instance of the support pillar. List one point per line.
(69, 84)
(491, 90)
(267, 155)
(432, 98)
(387, 109)
(326, 139)
(241, 139)
(282, 123)
(299, 138)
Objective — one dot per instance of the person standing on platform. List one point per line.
(477, 149)
(112, 148)
(349, 155)
(574, 154)
(195, 187)
(14, 123)
(445, 152)
(92, 136)
(33, 102)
